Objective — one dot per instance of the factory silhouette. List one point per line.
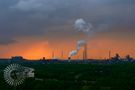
(84, 60)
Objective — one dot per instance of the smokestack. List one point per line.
(109, 54)
(53, 55)
(69, 58)
(85, 52)
(84, 44)
(62, 54)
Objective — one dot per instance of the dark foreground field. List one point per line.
(77, 77)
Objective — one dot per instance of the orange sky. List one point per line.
(38, 48)
(37, 28)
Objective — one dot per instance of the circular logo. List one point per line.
(14, 75)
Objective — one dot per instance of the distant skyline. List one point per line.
(36, 28)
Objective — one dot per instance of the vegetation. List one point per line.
(77, 77)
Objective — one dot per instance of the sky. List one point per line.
(37, 28)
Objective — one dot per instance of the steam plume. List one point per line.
(72, 53)
(80, 43)
(82, 25)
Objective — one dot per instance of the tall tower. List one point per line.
(62, 54)
(109, 55)
(53, 55)
(85, 52)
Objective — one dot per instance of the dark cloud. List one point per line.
(36, 17)
(7, 41)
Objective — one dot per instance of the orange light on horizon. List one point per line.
(97, 49)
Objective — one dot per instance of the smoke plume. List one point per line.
(83, 26)
(80, 43)
(72, 53)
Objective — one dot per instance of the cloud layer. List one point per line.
(36, 18)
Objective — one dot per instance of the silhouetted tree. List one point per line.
(128, 58)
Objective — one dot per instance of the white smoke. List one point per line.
(72, 53)
(82, 25)
(80, 43)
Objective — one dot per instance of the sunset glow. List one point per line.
(42, 28)
(97, 48)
